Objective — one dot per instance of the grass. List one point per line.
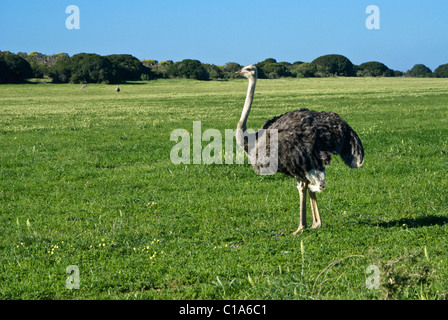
(86, 180)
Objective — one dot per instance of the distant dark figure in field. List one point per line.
(117, 89)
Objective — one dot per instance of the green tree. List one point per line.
(265, 67)
(373, 69)
(276, 70)
(158, 69)
(128, 67)
(419, 71)
(293, 68)
(149, 62)
(333, 65)
(214, 71)
(61, 70)
(39, 63)
(58, 56)
(230, 69)
(90, 67)
(441, 71)
(4, 71)
(14, 69)
(188, 68)
(305, 70)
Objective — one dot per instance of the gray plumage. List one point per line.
(306, 142)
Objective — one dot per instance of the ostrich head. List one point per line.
(249, 71)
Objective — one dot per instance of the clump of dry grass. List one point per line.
(400, 275)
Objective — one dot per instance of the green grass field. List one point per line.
(86, 180)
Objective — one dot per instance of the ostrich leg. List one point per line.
(302, 187)
(316, 217)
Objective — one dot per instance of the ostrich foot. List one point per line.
(300, 229)
(316, 225)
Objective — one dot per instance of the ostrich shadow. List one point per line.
(426, 221)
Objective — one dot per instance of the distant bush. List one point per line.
(128, 67)
(116, 68)
(276, 70)
(41, 63)
(292, 68)
(441, 71)
(305, 70)
(230, 69)
(333, 65)
(92, 68)
(188, 68)
(61, 71)
(13, 68)
(260, 67)
(158, 69)
(214, 71)
(38, 62)
(271, 69)
(146, 77)
(4, 71)
(374, 69)
(419, 71)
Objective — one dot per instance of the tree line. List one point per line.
(118, 68)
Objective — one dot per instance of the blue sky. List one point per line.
(243, 31)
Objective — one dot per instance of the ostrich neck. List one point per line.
(242, 124)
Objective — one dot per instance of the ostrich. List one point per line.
(117, 89)
(306, 140)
